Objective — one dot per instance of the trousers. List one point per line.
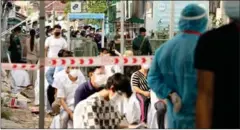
(65, 121)
(144, 103)
(161, 111)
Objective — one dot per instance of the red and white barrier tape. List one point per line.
(83, 61)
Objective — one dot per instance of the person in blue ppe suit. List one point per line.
(172, 75)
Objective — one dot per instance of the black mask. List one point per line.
(57, 34)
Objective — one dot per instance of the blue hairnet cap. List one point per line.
(232, 9)
(193, 18)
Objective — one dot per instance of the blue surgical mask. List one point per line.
(232, 9)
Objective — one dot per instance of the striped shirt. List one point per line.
(139, 80)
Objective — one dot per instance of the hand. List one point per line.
(147, 94)
(177, 102)
(71, 115)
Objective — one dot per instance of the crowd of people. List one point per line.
(187, 78)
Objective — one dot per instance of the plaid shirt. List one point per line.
(97, 113)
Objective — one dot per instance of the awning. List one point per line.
(135, 20)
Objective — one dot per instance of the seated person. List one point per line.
(66, 93)
(99, 110)
(93, 85)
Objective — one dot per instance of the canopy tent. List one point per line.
(135, 20)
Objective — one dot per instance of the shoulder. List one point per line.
(82, 87)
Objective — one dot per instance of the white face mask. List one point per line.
(146, 66)
(74, 73)
(100, 80)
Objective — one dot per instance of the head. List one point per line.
(194, 18)
(145, 67)
(97, 76)
(128, 53)
(65, 53)
(17, 30)
(232, 9)
(118, 85)
(50, 32)
(64, 31)
(104, 51)
(92, 30)
(73, 73)
(77, 34)
(83, 33)
(57, 30)
(142, 31)
(99, 31)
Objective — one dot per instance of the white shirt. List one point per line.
(60, 76)
(55, 45)
(112, 69)
(21, 78)
(67, 91)
(132, 109)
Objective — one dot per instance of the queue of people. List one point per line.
(186, 80)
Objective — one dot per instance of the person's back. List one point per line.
(222, 48)
(15, 47)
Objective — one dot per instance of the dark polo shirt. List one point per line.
(84, 91)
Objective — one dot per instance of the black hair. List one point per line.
(83, 33)
(85, 27)
(142, 29)
(93, 29)
(120, 84)
(98, 30)
(112, 53)
(92, 69)
(18, 29)
(76, 32)
(104, 49)
(32, 38)
(62, 51)
(57, 26)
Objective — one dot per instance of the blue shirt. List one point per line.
(49, 75)
(84, 91)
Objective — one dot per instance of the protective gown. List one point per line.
(172, 68)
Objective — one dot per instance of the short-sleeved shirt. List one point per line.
(84, 91)
(139, 80)
(218, 51)
(55, 45)
(60, 76)
(67, 91)
(96, 113)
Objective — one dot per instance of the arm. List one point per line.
(155, 78)
(134, 84)
(49, 75)
(65, 45)
(204, 99)
(205, 62)
(78, 95)
(62, 96)
(149, 47)
(46, 46)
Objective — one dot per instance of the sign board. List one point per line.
(86, 16)
(76, 7)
